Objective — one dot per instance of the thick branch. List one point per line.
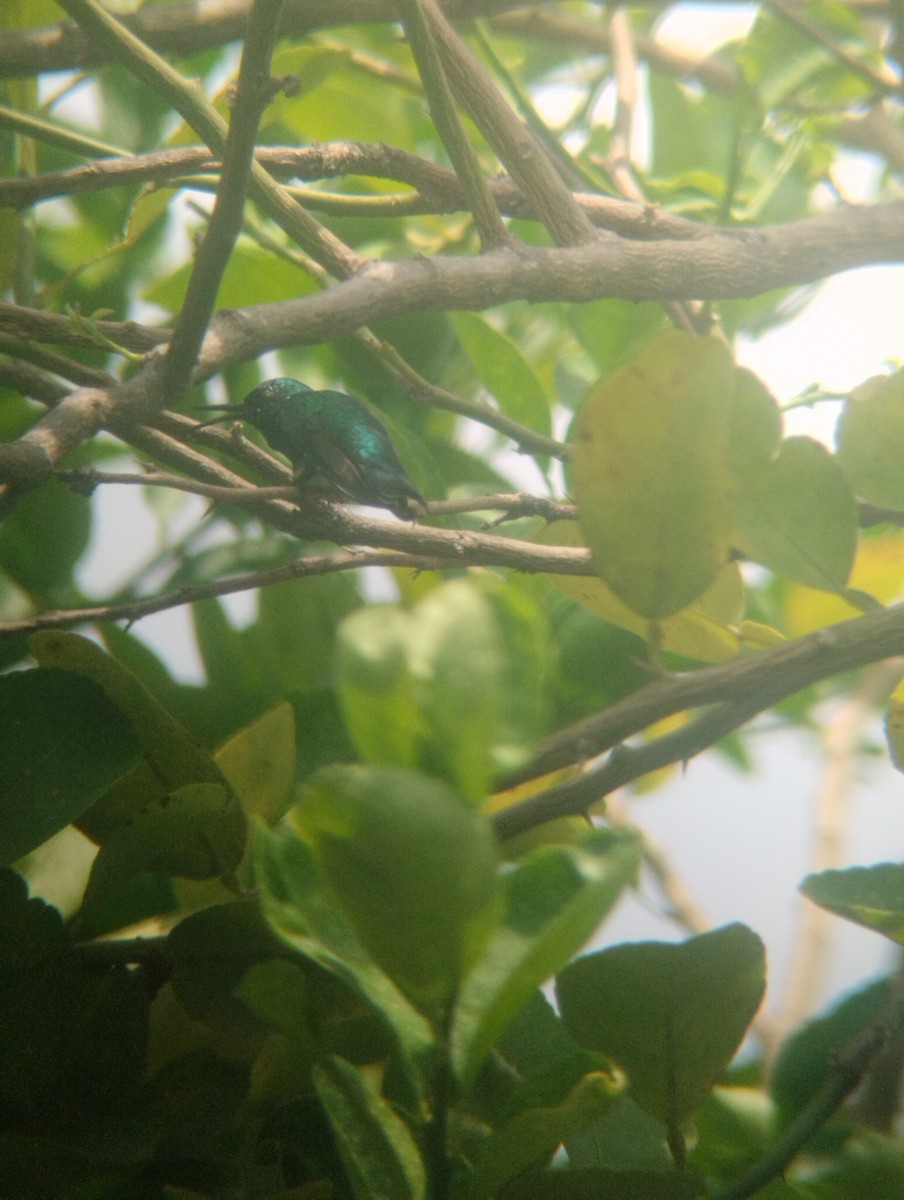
(726, 264)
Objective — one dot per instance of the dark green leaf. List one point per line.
(413, 866)
(671, 1015)
(554, 899)
(798, 517)
(63, 743)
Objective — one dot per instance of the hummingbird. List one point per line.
(333, 441)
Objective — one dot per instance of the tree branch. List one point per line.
(448, 123)
(518, 149)
(253, 93)
(723, 264)
(197, 111)
(438, 189)
(189, 27)
(736, 691)
(847, 1070)
(720, 264)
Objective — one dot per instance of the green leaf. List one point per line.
(554, 899)
(455, 654)
(755, 425)
(196, 832)
(650, 473)
(253, 275)
(259, 763)
(707, 630)
(173, 754)
(413, 866)
(592, 1183)
(624, 1139)
(870, 438)
(425, 689)
(870, 896)
(797, 516)
(39, 971)
(377, 690)
(294, 637)
(504, 371)
(378, 1151)
(614, 332)
(805, 1061)
(63, 743)
(43, 538)
(534, 1134)
(211, 950)
(301, 909)
(671, 1015)
(73, 1037)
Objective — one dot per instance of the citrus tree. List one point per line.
(312, 926)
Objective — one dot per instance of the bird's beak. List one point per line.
(228, 410)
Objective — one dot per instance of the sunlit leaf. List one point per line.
(650, 474)
(871, 440)
(706, 630)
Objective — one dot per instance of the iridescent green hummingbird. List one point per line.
(334, 443)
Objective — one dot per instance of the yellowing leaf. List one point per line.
(871, 440)
(878, 570)
(650, 473)
(706, 630)
(259, 762)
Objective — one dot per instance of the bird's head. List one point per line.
(262, 406)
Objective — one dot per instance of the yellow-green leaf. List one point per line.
(650, 473)
(259, 762)
(707, 630)
(870, 438)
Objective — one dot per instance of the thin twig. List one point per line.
(518, 149)
(253, 93)
(194, 107)
(448, 124)
(59, 364)
(438, 188)
(56, 135)
(847, 1071)
(883, 81)
(736, 692)
(618, 161)
(133, 610)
